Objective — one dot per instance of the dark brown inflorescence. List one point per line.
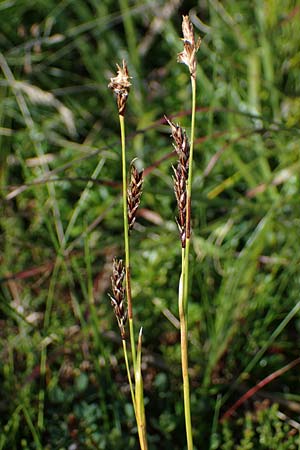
(134, 195)
(121, 86)
(188, 56)
(180, 178)
(118, 297)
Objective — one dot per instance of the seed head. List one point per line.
(181, 197)
(180, 177)
(188, 56)
(134, 195)
(181, 144)
(118, 297)
(121, 85)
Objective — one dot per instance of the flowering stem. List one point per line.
(187, 57)
(189, 195)
(183, 302)
(140, 423)
(126, 241)
(121, 85)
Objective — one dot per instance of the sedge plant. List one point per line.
(121, 299)
(183, 191)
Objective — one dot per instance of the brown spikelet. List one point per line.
(118, 297)
(134, 195)
(180, 177)
(121, 86)
(188, 56)
(181, 197)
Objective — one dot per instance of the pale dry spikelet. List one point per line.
(118, 297)
(188, 56)
(134, 195)
(121, 86)
(180, 178)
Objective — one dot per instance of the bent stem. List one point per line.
(184, 353)
(126, 242)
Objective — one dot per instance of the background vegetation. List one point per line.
(61, 361)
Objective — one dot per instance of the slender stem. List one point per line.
(184, 354)
(128, 375)
(43, 361)
(131, 332)
(183, 291)
(125, 215)
(139, 397)
(126, 241)
(41, 397)
(139, 417)
(140, 423)
(189, 195)
(34, 432)
(142, 437)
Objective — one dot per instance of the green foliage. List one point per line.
(60, 224)
(262, 430)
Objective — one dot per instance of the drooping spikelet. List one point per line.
(180, 178)
(188, 56)
(118, 297)
(134, 195)
(121, 86)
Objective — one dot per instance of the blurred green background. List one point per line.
(63, 380)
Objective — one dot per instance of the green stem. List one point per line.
(128, 375)
(183, 291)
(189, 195)
(43, 361)
(184, 354)
(126, 242)
(139, 397)
(31, 427)
(140, 420)
(41, 396)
